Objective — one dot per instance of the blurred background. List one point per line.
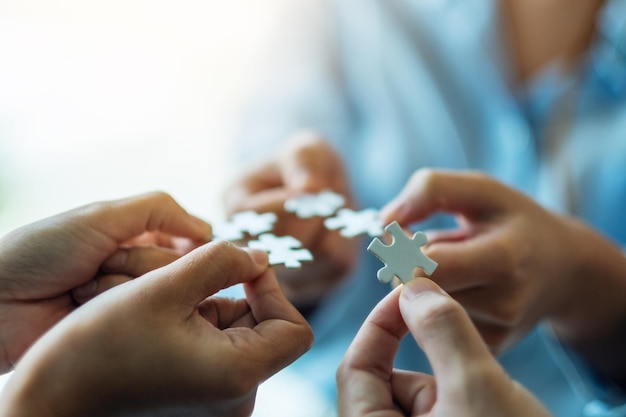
(102, 100)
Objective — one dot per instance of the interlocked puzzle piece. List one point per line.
(249, 222)
(285, 250)
(308, 205)
(353, 223)
(402, 256)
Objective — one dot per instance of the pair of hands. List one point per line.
(510, 262)
(158, 342)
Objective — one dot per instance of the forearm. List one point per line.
(593, 320)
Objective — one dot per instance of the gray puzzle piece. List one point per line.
(402, 256)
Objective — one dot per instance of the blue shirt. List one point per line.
(399, 85)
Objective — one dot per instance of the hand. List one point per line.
(46, 268)
(307, 164)
(467, 380)
(510, 263)
(163, 343)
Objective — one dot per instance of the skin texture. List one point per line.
(161, 343)
(539, 33)
(467, 380)
(511, 263)
(49, 267)
(307, 164)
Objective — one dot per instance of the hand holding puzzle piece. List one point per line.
(401, 257)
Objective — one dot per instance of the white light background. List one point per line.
(105, 99)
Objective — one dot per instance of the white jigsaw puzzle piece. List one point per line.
(285, 250)
(309, 205)
(249, 222)
(226, 231)
(402, 256)
(353, 223)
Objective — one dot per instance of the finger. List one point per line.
(310, 164)
(377, 341)
(97, 286)
(205, 271)
(443, 330)
(125, 219)
(261, 189)
(226, 312)
(414, 392)
(473, 194)
(285, 334)
(364, 375)
(137, 261)
(477, 261)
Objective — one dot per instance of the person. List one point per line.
(149, 335)
(529, 93)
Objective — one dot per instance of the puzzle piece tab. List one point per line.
(285, 250)
(353, 223)
(308, 205)
(402, 256)
(249, 222)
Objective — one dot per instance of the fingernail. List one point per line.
(258, 256)
(420, 286)
(87, 290)
(117, 261)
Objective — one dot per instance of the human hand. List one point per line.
(48, 267)
(307, 164)
(467, 380)
(163, 343)
(510, 262)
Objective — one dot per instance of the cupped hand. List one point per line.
(47, 268)
(467, 380)
(165, 343)
(307, 164)
(510, 262)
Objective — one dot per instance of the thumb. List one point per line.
(124, 219)
(310, 164)
(205, 271)
(472, 194)
(443, 330)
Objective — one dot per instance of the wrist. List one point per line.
(592, 318)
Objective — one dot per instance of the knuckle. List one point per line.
(161, 198)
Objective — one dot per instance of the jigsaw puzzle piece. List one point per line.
(309, 205)
(286, 250)
(243, 222)
(226, 231)
(353, 223)
(402, 256)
